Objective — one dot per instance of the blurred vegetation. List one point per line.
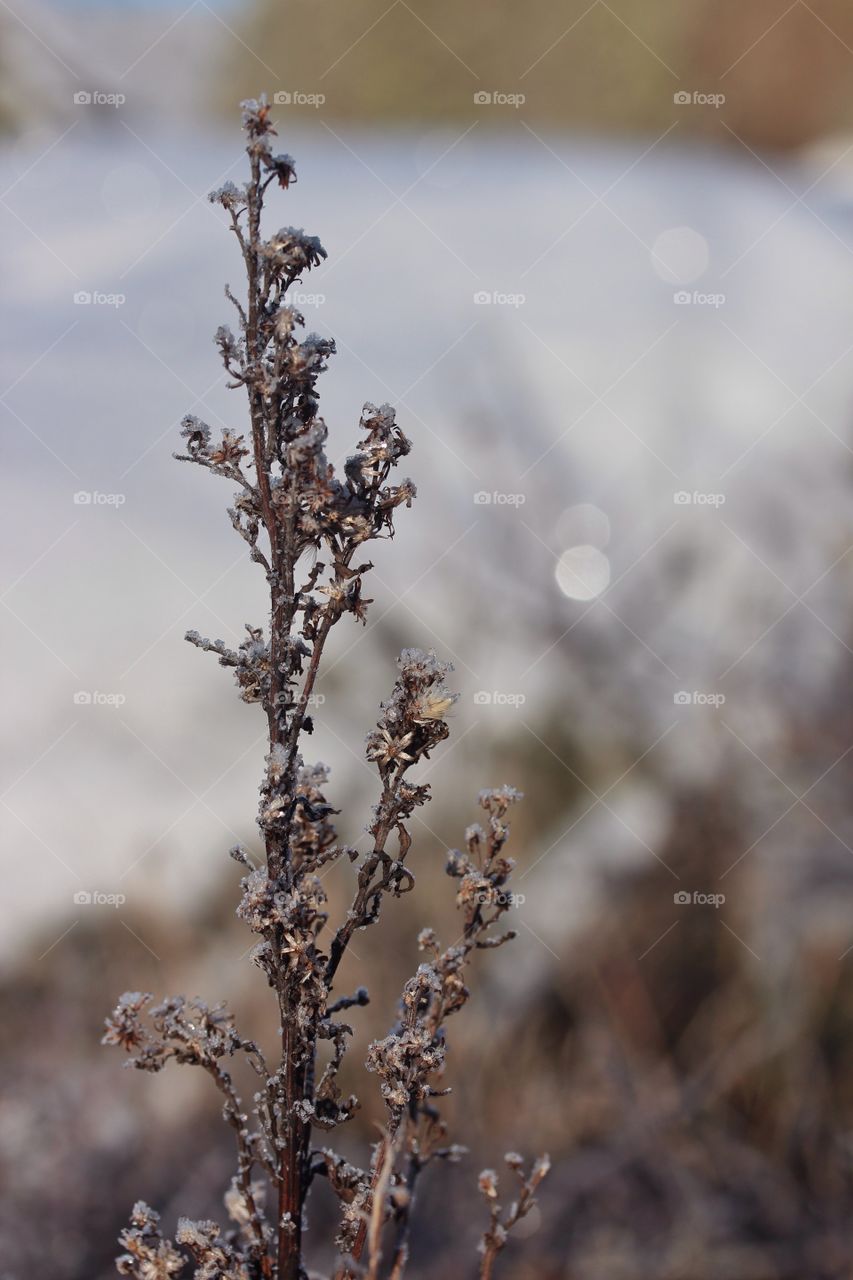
(786, 71)
(698, 1106)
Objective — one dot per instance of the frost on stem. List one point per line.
(147, 1255)
(501, 1221)
(306, 525)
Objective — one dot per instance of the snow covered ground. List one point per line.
(638, 350)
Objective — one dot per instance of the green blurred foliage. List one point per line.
(786, 70)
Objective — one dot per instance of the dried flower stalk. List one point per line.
(305, 527)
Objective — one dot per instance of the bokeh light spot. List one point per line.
(680, 255)
(582, 572)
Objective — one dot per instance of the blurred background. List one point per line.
(598, 255)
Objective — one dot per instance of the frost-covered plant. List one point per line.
(306, 527)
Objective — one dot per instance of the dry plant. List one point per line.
(306, 528)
